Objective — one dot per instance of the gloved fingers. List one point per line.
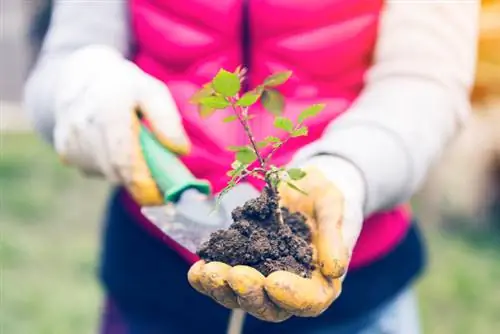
(194, 276)
(158, 107)
(324, 207)
(333, 254)
(211, 280)
(303, 297)
(248, 285)
(137, 178)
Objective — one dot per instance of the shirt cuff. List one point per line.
(342, 173)
(376, 157)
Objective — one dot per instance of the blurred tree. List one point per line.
(488, 64)
(487, 90)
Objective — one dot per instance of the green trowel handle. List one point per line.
(169, 173)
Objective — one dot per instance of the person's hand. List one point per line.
(96, 122)
(335, 215)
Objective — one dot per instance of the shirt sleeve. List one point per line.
(415, 99)
(74, 25)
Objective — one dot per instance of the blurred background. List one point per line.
(50, 215)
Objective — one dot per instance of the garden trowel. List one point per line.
(189, 215)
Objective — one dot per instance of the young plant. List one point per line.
(225, 91)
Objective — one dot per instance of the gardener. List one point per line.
(395, 77)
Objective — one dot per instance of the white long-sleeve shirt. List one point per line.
(414, 101)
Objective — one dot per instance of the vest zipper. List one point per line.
(245, 40)
(245, 54)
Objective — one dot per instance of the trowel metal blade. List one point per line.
(191, 221)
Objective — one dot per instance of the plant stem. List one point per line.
(249, 133)
(275, 196)
(274, 191)
(266, 160)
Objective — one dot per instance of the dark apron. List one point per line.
(148, 291)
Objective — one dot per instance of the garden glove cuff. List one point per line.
(96, 111)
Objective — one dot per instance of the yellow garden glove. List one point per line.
(335, 217)
(96, 122)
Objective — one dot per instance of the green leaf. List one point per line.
(237, 170)
(226, 83)
(302, 131)
(260, 89)
(294, 187)
(206, 111)
(246, 156)
(272, 139)
(248, 99)
(206, 91)
(283, 123)
(268, 140)
(277, 79)
(238, 148)
(273, 101)
(230, 118)
(236, 164)
(216, 102)
(262, 144)
(296, 173)
(310, 112)
(273, 178)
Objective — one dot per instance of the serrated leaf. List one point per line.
(272, 139)
(296, 173)
(246, 156)
(283, 123)
(230, 118)
(310, 112)
(206, 91)
(262, 144)
(206, 111)
(236, 164)
(238, 148)
(260, 89)
(216, 102)
(236, 171)
(294, 187)
(226, 83)
(302, 131)
(248, 99)
(273, 101)
(267, 141)
(277, 79)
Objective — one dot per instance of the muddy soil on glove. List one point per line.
(257, 240)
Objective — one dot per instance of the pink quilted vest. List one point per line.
(327, 44)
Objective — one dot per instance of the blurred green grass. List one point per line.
(49, 245)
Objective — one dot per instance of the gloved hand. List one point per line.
(96, 121)
(334, 209)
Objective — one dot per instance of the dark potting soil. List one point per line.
(257, 240)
